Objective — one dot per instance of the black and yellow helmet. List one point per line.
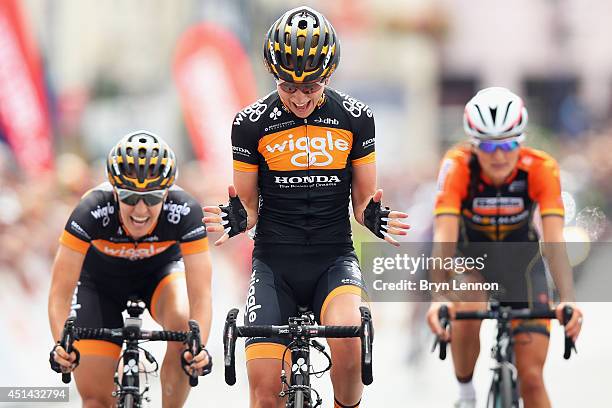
(301, 46)
(141, 161)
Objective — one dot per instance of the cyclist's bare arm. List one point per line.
(363, 189)
(445, 234)
(446, 230)
(246, 188)
(556, 255)
(65, 275)
(198, 273)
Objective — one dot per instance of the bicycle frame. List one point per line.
(503, 353)
(299, 391)
(128, 392)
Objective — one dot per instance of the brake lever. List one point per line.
(66, 343)
(568, 311)
(194, 344)
(443, 316)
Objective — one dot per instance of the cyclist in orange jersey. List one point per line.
(489, 191)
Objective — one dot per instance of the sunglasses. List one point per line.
(306, 89)
(132, 198)
(490, 146)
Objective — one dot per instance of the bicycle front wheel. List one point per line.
(500, 393)
(298, 400)
(505, 387)
(128, 401)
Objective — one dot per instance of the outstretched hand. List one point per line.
(218, 221)
(384, 223)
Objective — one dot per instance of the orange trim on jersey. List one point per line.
(98, 348)
(553, 211)
(162, 284)
(446, 211)
(246, 167)
(370, 158)
(194, 247)
(267, 350)
(340, 290)
(130, 251)
(73, 242)
(295, 149)
(530, 322)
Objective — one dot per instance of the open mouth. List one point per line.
(302, 107)
(139, 220)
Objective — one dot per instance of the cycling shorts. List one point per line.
(100, 299)
(287, 277)
(523, 283)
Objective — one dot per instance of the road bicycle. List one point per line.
(128, 392)
(503, 392)
(301, 332)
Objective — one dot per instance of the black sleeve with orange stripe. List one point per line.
(245, 140)
(453, 181)
(81, 227)
(363, 150)
(545, 187)
(191, 229)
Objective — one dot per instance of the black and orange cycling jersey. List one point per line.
(304, 165)
(94, 229)
(503, 213)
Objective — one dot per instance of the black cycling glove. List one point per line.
(234, 217)
(55, 366)
(375, 218)
(185, 364)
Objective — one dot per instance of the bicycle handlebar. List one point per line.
(86, 333)
(231, 332)
(72, 333)
(307, 331)
(505, 314)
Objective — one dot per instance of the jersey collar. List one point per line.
(508, 179)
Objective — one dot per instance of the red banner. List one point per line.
(215, 80)
(23, 106)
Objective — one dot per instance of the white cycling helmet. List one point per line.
(495, 113)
